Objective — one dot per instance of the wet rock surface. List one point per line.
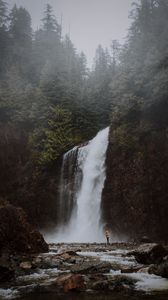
(160, 269)
(95, 268)
(16, 234)
(91, 267)
(150, 253)
(71, 282)
(17, 239)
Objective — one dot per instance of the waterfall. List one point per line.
(80, 196)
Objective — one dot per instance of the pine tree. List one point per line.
(82, 62)
(49, 21)
(3, 13)
(115, 51)
(20, 39)
(20, 26)
(101, 61)
(4, 38)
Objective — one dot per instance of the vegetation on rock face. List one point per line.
(53, 140)
(139, 89)
(135, 193)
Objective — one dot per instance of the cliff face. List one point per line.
(135, 195)
(13, 158)
(36, 192)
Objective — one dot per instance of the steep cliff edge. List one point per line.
(135, 195)
(21, 184)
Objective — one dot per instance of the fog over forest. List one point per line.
(89, 23)
(47, 91)
(83, 150)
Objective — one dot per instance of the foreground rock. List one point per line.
(17, 237)
(16, 234)
(71, 282)
(95, 282)
(160, 269)
(91, 267)
(150, 254)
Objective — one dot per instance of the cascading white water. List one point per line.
(84, 224)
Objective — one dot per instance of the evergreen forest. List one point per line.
(51, 101)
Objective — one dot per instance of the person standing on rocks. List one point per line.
(107, 234)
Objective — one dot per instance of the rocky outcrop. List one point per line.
(16, 234)
(91, 268)
(71, 282)
(39, 196)
(134, 200)
(160, 269)
(149, 254)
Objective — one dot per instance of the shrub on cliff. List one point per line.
(52, 140)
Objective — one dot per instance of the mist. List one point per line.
(89, 23)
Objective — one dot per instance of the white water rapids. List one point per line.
(85, 221)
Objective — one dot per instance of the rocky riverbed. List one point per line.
(117, 271)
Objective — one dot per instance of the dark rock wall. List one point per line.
(21, 184)
(71, 176)
(135, 195)
(13, 158)
(39, 196)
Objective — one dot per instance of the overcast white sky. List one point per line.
(90, 22)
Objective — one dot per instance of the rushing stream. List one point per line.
(80, 196)
(40, 282)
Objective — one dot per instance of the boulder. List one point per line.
(16, 234)
(144, 270)
(160, 269)
(101, 285)
(68, 254)
(6, 274)
(26, 265)
(49, 262)
(91, 267)
(71, 282)
(127, 269)
(112, 283)
(149, 253)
